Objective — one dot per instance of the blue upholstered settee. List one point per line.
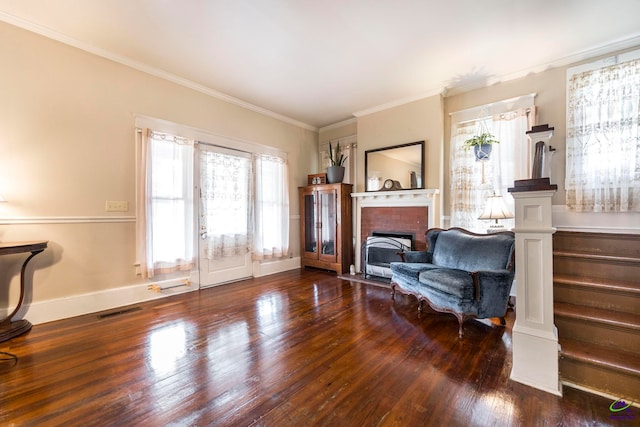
(463, 273)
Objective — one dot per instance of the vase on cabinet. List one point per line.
(335, 174)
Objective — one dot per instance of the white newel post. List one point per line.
(535, 337)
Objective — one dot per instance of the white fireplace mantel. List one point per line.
(398, 198)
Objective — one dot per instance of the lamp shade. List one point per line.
(495, 209)
(2, 199)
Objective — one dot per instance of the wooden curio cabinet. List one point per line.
(325, 227)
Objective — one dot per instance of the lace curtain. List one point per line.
(603, 145)
(472, 181)
(165, 196)
(271, 231)
(226, 203)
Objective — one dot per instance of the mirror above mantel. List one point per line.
(403, 163)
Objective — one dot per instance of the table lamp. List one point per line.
(495, 209)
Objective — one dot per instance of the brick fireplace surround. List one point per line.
(403, 211)
(398, 219)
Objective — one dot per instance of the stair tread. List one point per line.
(600, 315)
(588, 255)
(601, 355)
(605, 284)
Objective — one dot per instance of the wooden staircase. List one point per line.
(596, 285)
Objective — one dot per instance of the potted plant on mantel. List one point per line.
(481, 145)
(335, 172)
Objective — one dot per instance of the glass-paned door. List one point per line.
(310, 224)
(327, 215)
(224, 215)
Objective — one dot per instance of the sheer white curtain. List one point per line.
(226, 202)
(473, 181)
(271, 229)
(603, 139)
(165, 220)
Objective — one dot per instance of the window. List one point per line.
(271, 237)
(244, 203)
(225, 197)
(603, 135)
(165, 204)
(473, 181)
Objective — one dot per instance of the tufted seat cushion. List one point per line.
(449, 281)
(410, 270)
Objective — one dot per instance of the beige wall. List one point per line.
(329, 133)
(416, 121)
(67, 146)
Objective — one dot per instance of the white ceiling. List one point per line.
(321, 62)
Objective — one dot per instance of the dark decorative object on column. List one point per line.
(543, 151)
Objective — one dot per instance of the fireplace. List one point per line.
(410, 212)
(382, 248)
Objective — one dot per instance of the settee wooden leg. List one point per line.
(461, 318)
(393, 291)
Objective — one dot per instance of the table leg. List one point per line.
(9, 329)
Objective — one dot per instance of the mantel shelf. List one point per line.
(429, 192)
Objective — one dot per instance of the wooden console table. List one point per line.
(9, 329)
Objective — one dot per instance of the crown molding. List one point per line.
(398, 102)
(62, 38)
(338, 124)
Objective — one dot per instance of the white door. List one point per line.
(224, 215)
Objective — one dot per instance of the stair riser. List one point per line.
(572, 294)
(609, 381)
(614, 337)
(596, 269)
(625, 245)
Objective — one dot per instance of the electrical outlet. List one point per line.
(116, 206)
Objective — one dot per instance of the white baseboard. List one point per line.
(77, 305)
(265, 268)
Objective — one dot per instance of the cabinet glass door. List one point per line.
(327, 214)
(310, 225)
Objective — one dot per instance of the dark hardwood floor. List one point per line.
(292, 349)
